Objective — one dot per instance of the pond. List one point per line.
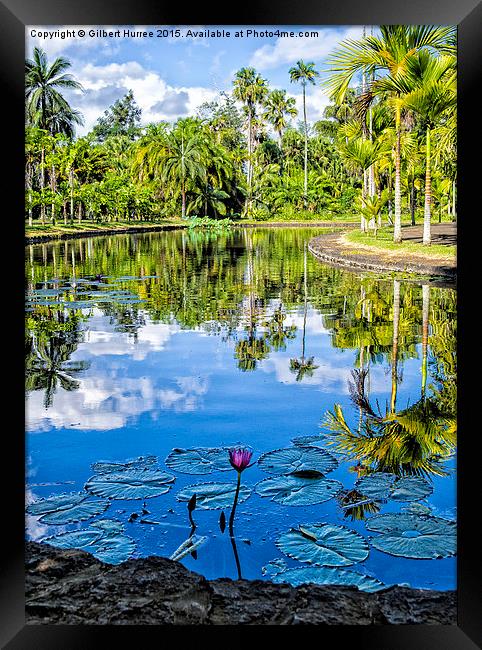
(149, 356)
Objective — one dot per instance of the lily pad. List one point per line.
(413, 536)
(296, 459)
(67, 508)
(201, 460)
(136, 483)
(328, 576)
(410, 488)
(296, 491)
(310, 441)
(104, 539)
(324, 544)
(376, 485)
(104, 467)
(211, 496)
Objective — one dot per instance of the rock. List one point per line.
(72, 587)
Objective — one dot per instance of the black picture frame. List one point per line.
(467, 14)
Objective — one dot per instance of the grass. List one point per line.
(384, 241)
(59, 229)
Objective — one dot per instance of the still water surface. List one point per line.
(141, 344)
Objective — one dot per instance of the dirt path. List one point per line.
(337, 250)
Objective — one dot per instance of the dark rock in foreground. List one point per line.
(72, 587)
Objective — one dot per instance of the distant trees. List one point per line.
(379, 151)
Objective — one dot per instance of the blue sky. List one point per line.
(171, 77)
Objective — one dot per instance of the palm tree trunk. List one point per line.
(305, 187)
(396, 319)
(428, 195)
(454, 217)
(412, 202)
(425, 320)
(42, 184)
(71, 179)
(397, 230)
(183, 205)
(53, 187)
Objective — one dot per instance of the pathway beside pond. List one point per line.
(336, 249)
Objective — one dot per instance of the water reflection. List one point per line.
(242, 335)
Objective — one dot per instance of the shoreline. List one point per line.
(334, 250)
(43, 239)
(158, 591)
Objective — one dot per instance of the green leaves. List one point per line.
(200, 460)
(104, 539)
(328, 576)
(212, 496)
(324, 544)
(413, 536)
(380, 485)
(67, 508)
(296, 459)
(140, 483)
(298, 491)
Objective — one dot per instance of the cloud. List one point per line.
(158, 100)
(289, 50)
(174, 103)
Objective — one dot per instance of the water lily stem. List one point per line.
(235, 503)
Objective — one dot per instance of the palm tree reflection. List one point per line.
(303, 366)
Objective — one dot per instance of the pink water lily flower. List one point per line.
(239, 458)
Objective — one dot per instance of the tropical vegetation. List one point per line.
(382, 152)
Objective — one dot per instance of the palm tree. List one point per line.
(362, 154)
(432, 96)
(250, 89)
(304, 73)
(387, 55)
(45, 105)
(277, 108)
(303, 366)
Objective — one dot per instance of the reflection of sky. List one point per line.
(173, 387)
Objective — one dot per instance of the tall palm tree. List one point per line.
(303, 366)
(250, 89)
(304, 73)
(46, 107)
(432, 95)
(277, 108)
(384, 59)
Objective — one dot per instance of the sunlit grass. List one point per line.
(384, 240)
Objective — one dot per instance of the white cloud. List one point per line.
(290, 50)
(152, 94)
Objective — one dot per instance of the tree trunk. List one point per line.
(454, 215)
(428, 196)
(412, 202)
(305, 188)
(42, 184)
(183, 204)
(396, 318)
(425, 322)
(397, 231)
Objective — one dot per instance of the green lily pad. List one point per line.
(296, 491)
(104, 539)
(324, 544)
(104, 467)
(376, 485)
(410, 488)
(138, 483)
(413, 536)
(201, 460)
(328, 576)
(297, 459)
(382, 485)
(211, 496)
(308, 441)
(67, 508)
